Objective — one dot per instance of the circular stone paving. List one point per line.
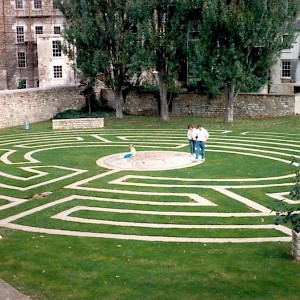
(148, 160)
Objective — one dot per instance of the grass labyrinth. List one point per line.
(56, 185)
(229, 198)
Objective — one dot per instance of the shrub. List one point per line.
(290, 213)
(75, 114)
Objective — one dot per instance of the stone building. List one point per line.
(285, 74)
(54, 68)
(30, 45)
(31, 56)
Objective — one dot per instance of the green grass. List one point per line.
(53, 267)
(45, 266)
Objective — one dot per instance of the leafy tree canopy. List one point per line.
(103, 34)
(163, 26)
(240, 40)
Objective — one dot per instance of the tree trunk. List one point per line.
(119, 103)
(163, 95)
(89, 106)
(231, 95)
(296, 245)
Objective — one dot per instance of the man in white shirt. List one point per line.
(201, 136)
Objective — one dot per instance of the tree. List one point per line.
(103, 36)
(239, 42)
(162, 26)
(90, 97)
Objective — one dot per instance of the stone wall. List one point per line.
(247, 105)
(109, 97)
(197, 105)
(142, 104)
(282, 88)
(256, 106)
(36, 105)
(80, 123)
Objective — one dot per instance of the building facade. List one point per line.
(285, 74)
(30, 45)
(31, 54)
(54, 68)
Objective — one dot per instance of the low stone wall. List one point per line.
(282, 88)
(198, 105)
(141, 104)
(247, 105)
(81, 123)
(257, 106)
(36, 105)
(109, 97)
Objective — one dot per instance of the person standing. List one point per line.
(201, 136)
(191, 138)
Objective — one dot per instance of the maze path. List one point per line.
(40, 174)
(26, 148)
(8, 223)
(12, 201)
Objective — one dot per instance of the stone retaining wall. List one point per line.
(141, 104)
(247, 105)
(81, 123)
(36, 105)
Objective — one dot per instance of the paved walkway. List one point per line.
(7, 292)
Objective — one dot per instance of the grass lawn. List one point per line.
(249, 159)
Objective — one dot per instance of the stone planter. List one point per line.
(296, 245)
(80, 123)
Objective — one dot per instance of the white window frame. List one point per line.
(57, 72)
(39, 30)
(21, 58)
(20, 34)
(56, 48)
(56, 29)
(37, 4)
(19, 4)
(285, 69)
